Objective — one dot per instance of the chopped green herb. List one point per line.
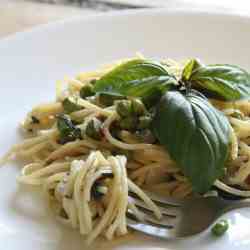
(63, 214)
(220, 228)
(70, 106)
(35, 120)
(94, 129)
(108, 99)
(67, 130)
(98, 190)
(237, 114)
(86, 91)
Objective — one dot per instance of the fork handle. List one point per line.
(231, 205)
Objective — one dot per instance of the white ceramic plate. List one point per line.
(31, 62)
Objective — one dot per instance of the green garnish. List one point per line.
(129, 110)
(108, 99)
(67, 130)
(124, 108)
(137, 78)
(86, 91)
(195, 134)
(137, 107)
(189, 68)
(70, 106)
(237, 114)
(94, 129)
(98, 190)
(35, 120)
(222, 81)
(220, 228)
(63, 214)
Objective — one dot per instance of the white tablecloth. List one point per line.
(18, 15)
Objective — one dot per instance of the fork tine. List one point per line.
(156, 231)
(159, 199)
(149, 218)
(169, 211)
(163, 200)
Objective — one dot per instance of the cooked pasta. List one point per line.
(87, 161)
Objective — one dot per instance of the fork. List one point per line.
(181, 218)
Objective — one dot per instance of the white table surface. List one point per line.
(19, 15)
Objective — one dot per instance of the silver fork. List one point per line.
(181, 218)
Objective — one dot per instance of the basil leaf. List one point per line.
(189, 68)
(137, 78)
(224, 81)
(67, 130)
(70, 106)
(196, 136)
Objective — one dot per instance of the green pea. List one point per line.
(86, 91)
(138, 107)
(123, 108)
(220, 228)
(93, 129)
(144, 122)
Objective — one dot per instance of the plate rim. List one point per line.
(238, 15)
(15, 38)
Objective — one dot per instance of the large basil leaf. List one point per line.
(224, 81)
(195, 134)
(139, 77)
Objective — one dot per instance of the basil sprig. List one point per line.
(221, 81)
(195, 134)
(138, 78)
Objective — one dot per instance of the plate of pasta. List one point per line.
(98, 108)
